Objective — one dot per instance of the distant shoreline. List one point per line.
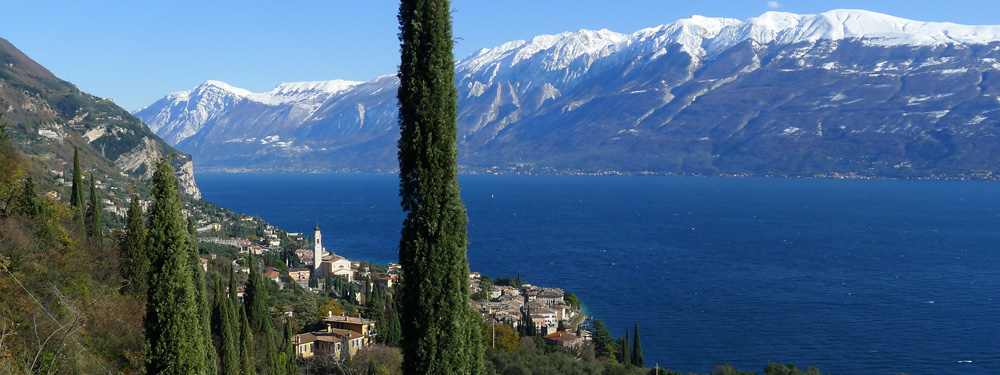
(985, 175)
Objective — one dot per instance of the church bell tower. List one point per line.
(317, 250)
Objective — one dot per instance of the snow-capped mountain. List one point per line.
(842, 91)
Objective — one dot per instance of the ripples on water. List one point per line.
(853, 277)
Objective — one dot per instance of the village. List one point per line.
(555, 314)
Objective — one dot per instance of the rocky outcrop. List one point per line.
(185, 177)
(141, 162)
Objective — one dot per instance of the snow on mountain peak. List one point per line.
(557, 51)
(312, 91)
(223, 86)
(874, 28)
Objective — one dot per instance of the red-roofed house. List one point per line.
(563, 339)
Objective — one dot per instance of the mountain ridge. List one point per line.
(48, 116)
(570, 101)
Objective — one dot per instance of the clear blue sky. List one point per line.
(137, 51)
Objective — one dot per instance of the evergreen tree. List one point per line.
(375, 310)
(135, 260)
(76, 197)
(637, 349)
(435, 298)
(527, 326)
(291, 367)
(174, 343)
(234, 298)
(29, 204)
(271, 365)
(224, 326)
(604, 345)
(76, 191)
(626, 351)
(560, 327)
(255, 300)
(94, 221)
(393, 334)
(204, 314)
(246, 345)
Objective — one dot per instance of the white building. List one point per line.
(329, 264)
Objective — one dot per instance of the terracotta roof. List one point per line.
(336, 336)
(272, 274)
(561, 336)
(348, 319)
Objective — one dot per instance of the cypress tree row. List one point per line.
(198, 273)
(174, 342)
(135, 261)
(637, 349)
(436, 324)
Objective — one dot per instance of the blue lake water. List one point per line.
(850, 276)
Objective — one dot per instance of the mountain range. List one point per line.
(845, 92)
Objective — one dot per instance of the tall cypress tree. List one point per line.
(135, 260)
(255, 300)
(204, 314)
(393, 334)
(435, 298)
(246, 345)
(223, 325)
(94, 221)
(234, 298)
(291, 366)
(76, 197)
(637, 348)
(626, 354)
(28, 203)
(174, 344)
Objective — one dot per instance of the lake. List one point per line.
(850, 276)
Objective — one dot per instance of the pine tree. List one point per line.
(246, 345)
(135, 260)
(76, 197)
(174, 344)
(637, 349)
(435, 298)
(94, 221)
(255, 299)
(604, 344)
